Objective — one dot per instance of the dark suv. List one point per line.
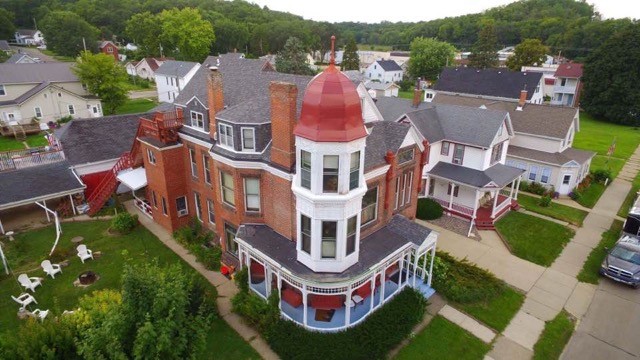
(622, 262)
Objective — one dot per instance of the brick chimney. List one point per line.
(523, 98)
(283, 121)
(417, 94)
(215, 97)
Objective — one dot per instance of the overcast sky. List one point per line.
(416, 10)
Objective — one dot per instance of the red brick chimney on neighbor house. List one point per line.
(215, 97)
(523, 98)
(283, 121)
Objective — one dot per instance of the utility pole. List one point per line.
(84, 44)
(35, 25)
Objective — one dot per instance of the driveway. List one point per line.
(33, 52)
(143, 94)
(610, 328)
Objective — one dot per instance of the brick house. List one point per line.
(299, 188)
(108, 48)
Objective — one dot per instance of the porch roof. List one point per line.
(499, 175)
(399, 232)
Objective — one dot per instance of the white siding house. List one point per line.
(172, 76)
(384, 71)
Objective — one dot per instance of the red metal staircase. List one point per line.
(162, 127)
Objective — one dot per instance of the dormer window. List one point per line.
(226, 135)
(330, 173)
(354, 172)
(197, 120)
(405, 156)
(248, 139)
(305, 169)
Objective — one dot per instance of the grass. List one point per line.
(604, 162)
(537, 240)
(37, 140)
(442, 339)
(631, 196)
(597, 135)
(58, 57)
(135, 106)
(557, 211)
(590, 269)
(10, 143)
(554, 338)
(497, 312)
(59, 294)
(590, 195)
(370, 47)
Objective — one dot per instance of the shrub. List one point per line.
(465, 283)
(545, 201)
(242, 280)
(601, 175)
(61, 254)
(209, 256)
(536, 188)
(428, 209)
(575, 195)
(65, 119)
(124, 222)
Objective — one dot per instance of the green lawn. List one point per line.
(554, 210)
(612, 164)
(596, 135)
(442, 339)
(534, 239)
(9, 143)
(554, 338)
(370, 47)
(498, 312)
(58, 57)
(135, 106)
(591, 195)
(37, 140)
(589, 272)
(407, 95)
(59, 294)
(631, 196)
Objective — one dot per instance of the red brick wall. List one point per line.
(283, 121)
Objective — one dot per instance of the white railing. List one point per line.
(564, 89)
(455, 207)
(502, 206)
(143, 206)
(22, 161)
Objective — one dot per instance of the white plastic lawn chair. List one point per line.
(84, 253)
(29, 283)
(51, 269)
(40, 314)
(24, 299)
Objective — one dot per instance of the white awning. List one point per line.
(134, 179)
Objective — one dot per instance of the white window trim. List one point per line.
(4, 90)
(222, 189)
(71, 109)
(196, 201)
(375, 211)
(37, 110)
(242, 129)
(535, 173)
(206, 168)
(542, 175)
(151, 157)
(195, 127)
(229, 131)
(244, 184)
(210, 210)
(193, 163)
(184, 212)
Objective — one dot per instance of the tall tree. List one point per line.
(185, 35)
(350, 58)
(7, 29)
(293, 58)
(144, 29)
(65, 32)
(527, 53)
(611, 79)
(103, 78)
(230, 35)
(484, 53)
(428, 57)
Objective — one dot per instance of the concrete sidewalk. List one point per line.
(226, 288)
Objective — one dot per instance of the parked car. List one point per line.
(632, 224)
(622, 262)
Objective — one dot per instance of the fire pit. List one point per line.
(87, 278)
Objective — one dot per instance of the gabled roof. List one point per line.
(459, 124)
(384, 136)
(534, 119)
(26, 32)
(37, 73)
(557, 158)
(498, 175)
(16, 58)
(389, 65)
(104, 43)
(500, 83)
(176, 68)
(97, 139)
(374, 85)
(569, 70)
(392, 108)
(27, 95)
(4, 45)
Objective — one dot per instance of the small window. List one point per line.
(38, 112)
(3, 92)
(151, 156)
(458, 154)
(226, 135)
(194, 164)
(196, 200)
(207, 168)
(197, 120)
(164, 206)
(496, 153)
(248, 139)
(72, 110)
(154, 199)
(405, 156)
(110, 50)
(369, 206)
(330, 173)
(455, 190)
(228, 189)
(533, 173)
(329, 231)
(444, 149)
(546, 174)
(354, 172)
(211, 211)
(181, 206)
(305, 234)
(252, 194)
(305, 169)
(230, 239)
(566, 179)
(352, 224)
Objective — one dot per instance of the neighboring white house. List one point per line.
(29, 37)
(172, 76)
(542, 142)
(145, 68)
(43, 92)
(378, 89)
(566, 91)
(548, 76)
(131, 47)
(21, 59)
(385, 71)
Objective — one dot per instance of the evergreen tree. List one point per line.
(350, 58)
(293, 58)
(611, 79)
(484, 53)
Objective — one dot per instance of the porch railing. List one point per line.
(455, 207)
(28, 158)
(501, 206)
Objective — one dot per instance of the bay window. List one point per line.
(330, 173)
(305, 169)
(329, 234)
(227, 189)
(305, 234)
(354, 171)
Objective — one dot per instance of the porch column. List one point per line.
(433, 256)
(517, 188)
(427, 185)
(304, 304)
(400, 272)
(383, 280)
(373, 291)
(267, 279)
(279, 290)
(45, 211)
(496, 194)
(424, 263)
(453, 189)
(73, 207)
(1, 227)
(475, 204)
(347, 308)
(415, 269)
(513, 185)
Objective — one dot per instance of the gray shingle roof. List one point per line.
(385, 136)
(4, 45)
(373, 248)
(28, 94)
(37, 73)
(499, 174)
(557, 158)
(488, 82)
(389, 65)
(543, 120)
(91, 140)
(15, 58)
(36, 183)
(392, 108)
(460, 124)
(175, 68)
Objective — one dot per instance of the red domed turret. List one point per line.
(331, 109)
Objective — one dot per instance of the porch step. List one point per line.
(485, 227)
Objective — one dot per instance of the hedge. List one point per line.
(428, 209)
